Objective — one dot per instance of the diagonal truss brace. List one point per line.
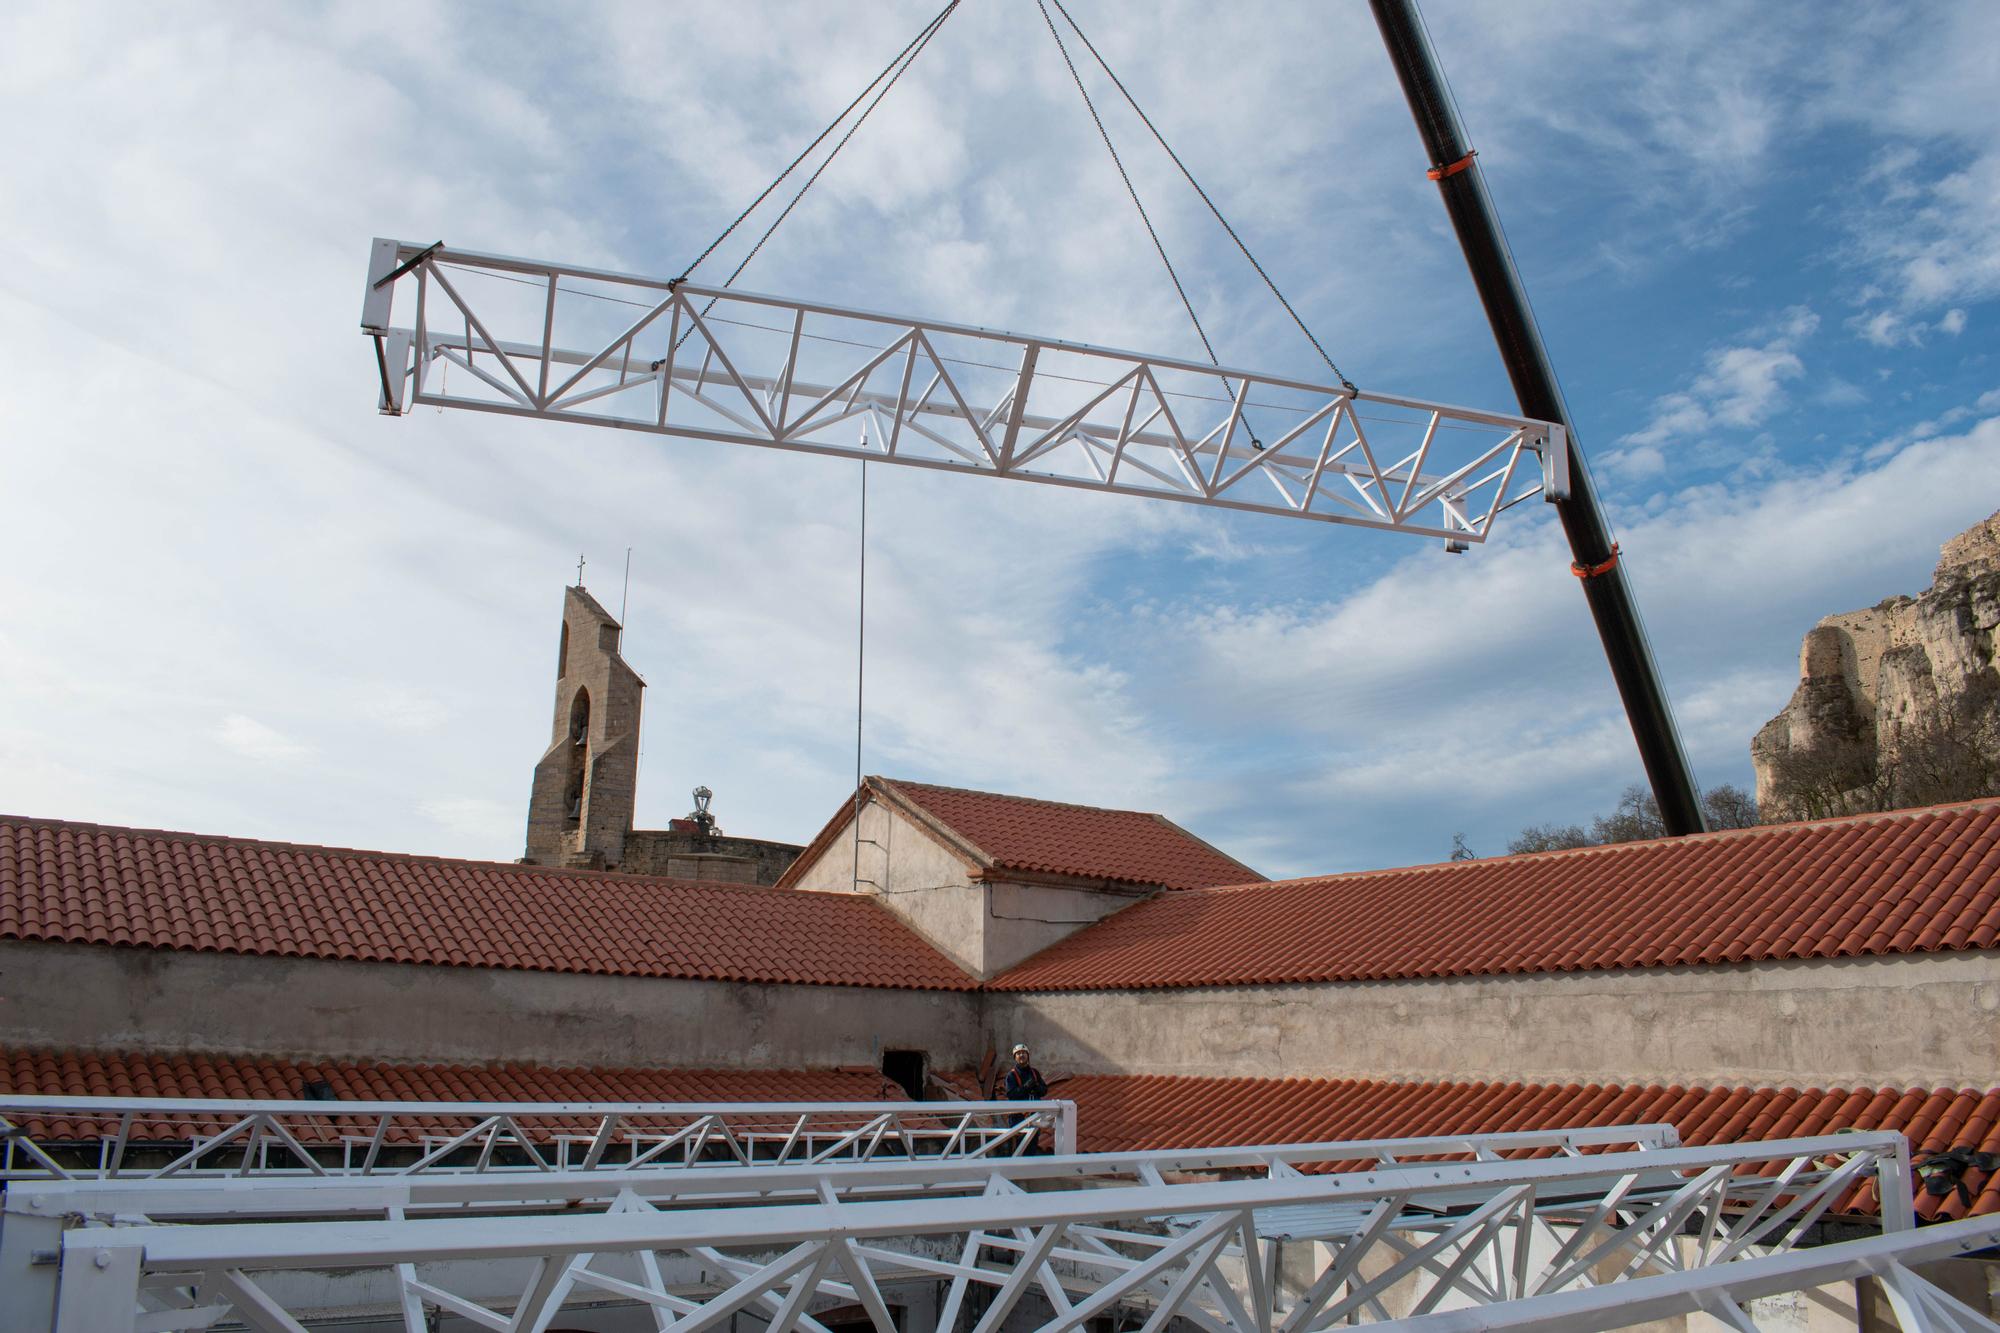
(1456, 1230)
(564, 343)
(267, 1138)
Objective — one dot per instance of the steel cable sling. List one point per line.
(1182, 166)
(891, 72)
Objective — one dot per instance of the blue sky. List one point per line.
(1763, 241)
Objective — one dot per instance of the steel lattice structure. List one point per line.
(564, 343)
(319, 1138)
(36, 1211)
(1514, 1237)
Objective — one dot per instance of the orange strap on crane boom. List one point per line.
(1592, 571)
(1439, 173)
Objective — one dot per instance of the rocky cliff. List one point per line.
(1898, 704)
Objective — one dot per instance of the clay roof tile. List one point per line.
(1873, 884)
(77, 883)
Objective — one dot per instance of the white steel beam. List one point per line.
(299, 1138)
(1920, 1306)
(196, 1196)
(564, 343)
(1444, 1226)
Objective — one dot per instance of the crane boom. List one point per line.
(560, 342)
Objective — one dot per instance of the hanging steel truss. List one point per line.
(1513, 1235)
(564, 343)
(121, 1137)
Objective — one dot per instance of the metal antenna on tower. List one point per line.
(625, 594)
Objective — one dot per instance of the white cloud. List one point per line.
(1471, 684)
(1887, 328)
(1931, 241)
(254, 740)
(400, 708)
(1739, 387)
(223, 529)
(475, 818)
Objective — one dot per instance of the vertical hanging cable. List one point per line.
(860, 669)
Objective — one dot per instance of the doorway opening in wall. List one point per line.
(906, 1070)
(855, 1319)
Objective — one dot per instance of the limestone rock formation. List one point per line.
(1898, 704)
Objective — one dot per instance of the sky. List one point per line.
(1762, 240)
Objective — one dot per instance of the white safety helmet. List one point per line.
(1020, 1048)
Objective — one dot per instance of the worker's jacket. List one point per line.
(1024, 1083)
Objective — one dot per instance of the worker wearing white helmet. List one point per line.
(1024, 1082)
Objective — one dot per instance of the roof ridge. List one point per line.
(1025, 800)
(1754, 830)
(610, 877)
(1708, 1085)
(1365, 924)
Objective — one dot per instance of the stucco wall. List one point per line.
(689, 856)
(1931, 1019)
(984, 926)
(94, 997)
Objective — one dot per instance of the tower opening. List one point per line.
(579, 755)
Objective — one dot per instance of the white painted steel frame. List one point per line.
(297, 1197)
(36, 1211)
(1499, 1234)
(687, 360)
(1919, 1306)
(289, 1138)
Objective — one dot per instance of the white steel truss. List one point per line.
(128, 1136)
(1513, 1237)
(564, 343)
(37, 1211)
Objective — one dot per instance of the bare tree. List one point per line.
(1834, 777)
(1729, 806)
(1948, 752)
(1636, 817)
(1549, 838)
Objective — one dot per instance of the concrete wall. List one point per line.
(1923, 1019)
(691, 856)
(984, 926)
(94, 997)
(1920, 1020)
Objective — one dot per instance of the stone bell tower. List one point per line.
(580, 810)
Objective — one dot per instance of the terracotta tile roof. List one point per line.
(1912, 881)
(1115, 1112)
(1135, 1112)
(83, 1074)
(85, 883)
(995, 833)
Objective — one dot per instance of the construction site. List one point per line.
(968, 1061)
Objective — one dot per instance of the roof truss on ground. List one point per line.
(246, 1138)
(1542, 1230)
